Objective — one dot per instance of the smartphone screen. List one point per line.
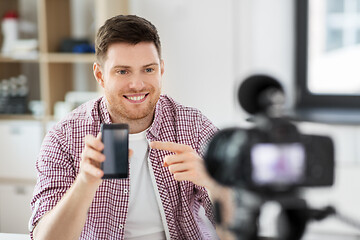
(116, 149)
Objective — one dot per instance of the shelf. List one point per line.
(26, 117)
(51, 74)
(68, 57)
(17, 180)
(51, 57)
(19, 59)
(19, 117)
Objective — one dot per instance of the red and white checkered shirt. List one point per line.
(59, 160)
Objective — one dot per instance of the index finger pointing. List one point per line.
(170, 146)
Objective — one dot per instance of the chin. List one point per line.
(135, 113)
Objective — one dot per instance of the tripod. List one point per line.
(291, 223)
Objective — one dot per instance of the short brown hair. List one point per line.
(128, 29)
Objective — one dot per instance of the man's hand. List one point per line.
(186, 164)
(91, 159)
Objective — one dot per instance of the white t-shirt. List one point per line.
(144, 219)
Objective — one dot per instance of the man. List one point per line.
(164, 196)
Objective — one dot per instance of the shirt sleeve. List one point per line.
(206, 132)
(56, 174)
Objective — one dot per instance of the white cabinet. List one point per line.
(15, 207)
(20, 143)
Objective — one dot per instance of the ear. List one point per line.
(162, 67)
(98, 74)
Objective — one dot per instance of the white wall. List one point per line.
(197, 42)
(210, 46)
(272, 33)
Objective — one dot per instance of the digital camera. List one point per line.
(273, 156)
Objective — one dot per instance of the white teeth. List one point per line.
(137, 98)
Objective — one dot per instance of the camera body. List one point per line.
(273, 157)
(270, 161)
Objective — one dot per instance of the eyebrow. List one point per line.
(151, 64)
(121, 66)
(125, 66)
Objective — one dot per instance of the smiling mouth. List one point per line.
(136, 98)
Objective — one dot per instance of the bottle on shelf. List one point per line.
(10, 31)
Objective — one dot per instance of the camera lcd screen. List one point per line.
(116, 140)
(282, 164)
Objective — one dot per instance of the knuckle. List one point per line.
(99, 158)
(84, 155)
(88, 168)
(89, 153)
(84, 167)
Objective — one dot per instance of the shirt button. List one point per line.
(121, 226)
(126, 191)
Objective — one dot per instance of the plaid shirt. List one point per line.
(59, 161)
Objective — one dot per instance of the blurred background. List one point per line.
(209, 48)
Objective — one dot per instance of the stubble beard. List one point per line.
(126, 115)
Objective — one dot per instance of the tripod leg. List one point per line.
(292, 224)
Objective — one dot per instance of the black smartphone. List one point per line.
(116, 149)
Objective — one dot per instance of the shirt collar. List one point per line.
(154, 129)
(103, 111)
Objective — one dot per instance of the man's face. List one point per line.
(131, 78)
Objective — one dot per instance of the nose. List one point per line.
(136, 83)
